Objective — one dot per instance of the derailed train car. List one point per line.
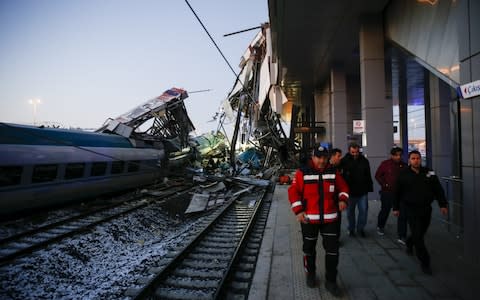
(42, 167)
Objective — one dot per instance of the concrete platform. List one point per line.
(375, 267)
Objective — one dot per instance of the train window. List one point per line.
(133, 166)
(74, 170)
(10, 175)
(117, 167)
(98, 168)
(44, 173)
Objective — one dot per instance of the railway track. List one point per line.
(28, 241)
(219, 260)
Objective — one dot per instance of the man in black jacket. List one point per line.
(356, 172)
(416, 188)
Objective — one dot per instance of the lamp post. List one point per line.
(34, 102)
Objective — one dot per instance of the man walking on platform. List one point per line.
(317, 195)
(335, 159)
(417, 187)
(356, 171)
(386, 176)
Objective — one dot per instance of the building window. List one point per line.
(117, 167)
(74, 170)
(44, 173)
(10, 175)
(133, 166)
(98, 169)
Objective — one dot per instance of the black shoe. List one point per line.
(427, 269)
(351, 233)
(333, 289)
(380, 231)
(311, 281)
(362, 233)
(409, 250)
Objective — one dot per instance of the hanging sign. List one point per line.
(470, 90)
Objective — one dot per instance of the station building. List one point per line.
(384, 73)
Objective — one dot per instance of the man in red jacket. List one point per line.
(386, 176)
(317, 195)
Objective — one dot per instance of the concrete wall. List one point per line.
(338, 87)
(376, 108)
(354, 108)
(322, 111)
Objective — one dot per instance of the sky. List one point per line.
(88, 60)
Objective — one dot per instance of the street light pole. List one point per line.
(34, 102)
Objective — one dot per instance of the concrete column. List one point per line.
(354, 108)
(338, 106)
(322, 112)
(376, 109)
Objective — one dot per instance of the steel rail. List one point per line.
(149, 289)
(77, 228)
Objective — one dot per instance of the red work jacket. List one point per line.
(317, 193)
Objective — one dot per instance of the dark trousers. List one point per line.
(418, 226)
(329, 232)
(402, 222)
(387, 201)
(339, 224)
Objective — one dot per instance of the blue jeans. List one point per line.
(362, 203)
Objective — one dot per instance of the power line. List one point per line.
(237, 76)
(211, 38)
(199, 91)
(240, 31)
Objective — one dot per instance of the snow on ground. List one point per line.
(100, 264)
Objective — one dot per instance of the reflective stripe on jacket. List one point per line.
(317, 193)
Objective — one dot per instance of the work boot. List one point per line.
(309, 264)
(362, 233)
(311, 280)
(409, 245)
(333, 288)
(409, 251)
(427, 269)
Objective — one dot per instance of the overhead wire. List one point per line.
(237, 76)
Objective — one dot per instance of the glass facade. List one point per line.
(416, 128)
(409, 105)
(429, 30)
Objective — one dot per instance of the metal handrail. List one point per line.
(452, 178)
(452, 203)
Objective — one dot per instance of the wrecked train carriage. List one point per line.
(259, 101)
(161, 122)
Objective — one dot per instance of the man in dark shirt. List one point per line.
(416, 188)
(335, 159)
(386, 176)
(356, 171)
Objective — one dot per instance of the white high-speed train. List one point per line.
(41, 167)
